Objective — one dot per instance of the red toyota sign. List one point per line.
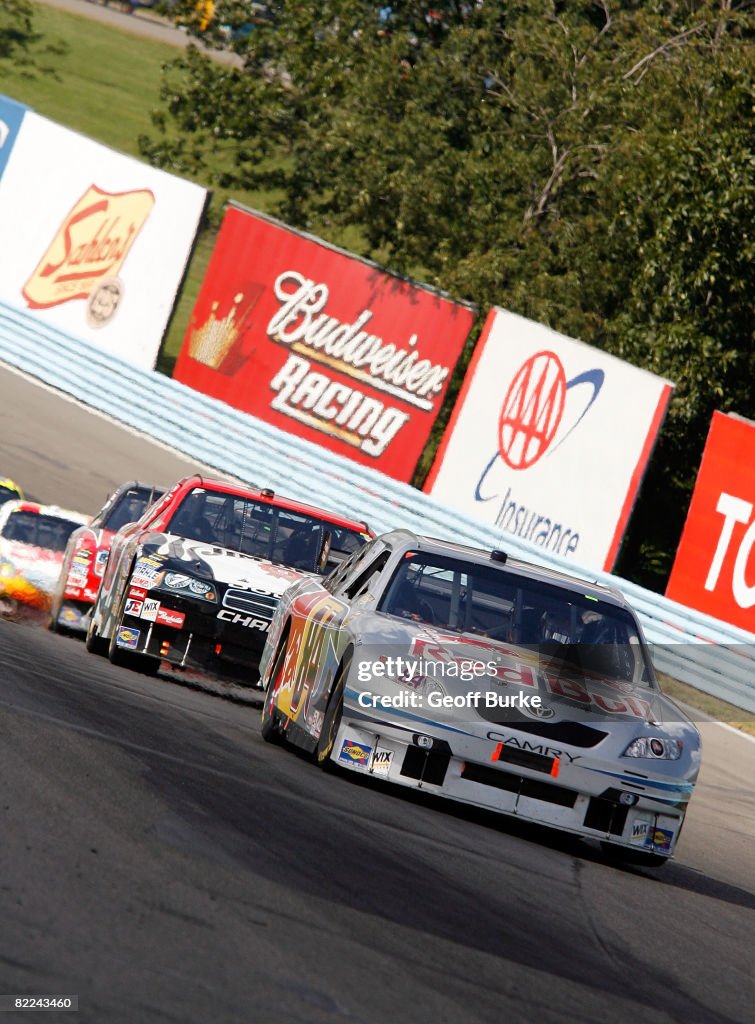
(321, 343)
(714, 570)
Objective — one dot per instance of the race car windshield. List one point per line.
(39, 530)
(6, 494)
(563, 625)
(130, 507)
(258, 528)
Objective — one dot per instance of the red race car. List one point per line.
(32, 540)
(87, 553)
(197, 580)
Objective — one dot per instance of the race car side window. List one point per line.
(362, 581)
(347, 568)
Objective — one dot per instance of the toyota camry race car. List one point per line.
(87, 553)
(487, 680)
(32, 540)
(196, 580)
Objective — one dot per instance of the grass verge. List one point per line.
(712, 706)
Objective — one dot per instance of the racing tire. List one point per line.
(94, 643)
(52, 622)
(632, 858)
(332, 720)
(271, 725)
(143, 663)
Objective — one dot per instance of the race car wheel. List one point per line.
(333, 714)
(94, 642)
(128, 659)
(271, 726)
(52, 622)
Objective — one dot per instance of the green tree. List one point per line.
(587, 164)
(16, 30)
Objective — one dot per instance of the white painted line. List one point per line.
(731, 728)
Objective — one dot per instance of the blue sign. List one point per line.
(11, 116)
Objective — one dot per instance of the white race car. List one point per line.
(32, 541)
(486, 680)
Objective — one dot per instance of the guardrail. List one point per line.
(710, 655)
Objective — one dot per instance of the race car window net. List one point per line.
(562, 624)
(263, 530)
(39, 530)
(362, 581)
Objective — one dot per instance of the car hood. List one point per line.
(444, 662)
(220, 565)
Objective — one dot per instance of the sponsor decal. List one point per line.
(76, 578)
(548, 439)
(248, 621)
(381, 761)
(322, 344)
(100, 561)
(83, 556)
(147, 565)
(640, 830)
(140, 581)
(133, 607)
(150, 609)
(89, 246)
(69, 616)
(509, 671)
(168, 617)
(355, 754)
(714, 569)
(660, 839)
(89, 594)
(103, 301)
(127, 637)
(137, 593)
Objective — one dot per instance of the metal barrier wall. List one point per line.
(710, 655)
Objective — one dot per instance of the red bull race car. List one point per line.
(486, 680)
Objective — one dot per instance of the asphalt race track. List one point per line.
(161, 862)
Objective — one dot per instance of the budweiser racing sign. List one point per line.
(88, 250)
(321, 343)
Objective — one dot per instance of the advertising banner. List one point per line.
(100, 241)
(714, 569)
(549, 439)
(321, 343)
(11, 116)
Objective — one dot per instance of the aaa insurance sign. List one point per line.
(549, 440)
(714, 570)
(321, 343)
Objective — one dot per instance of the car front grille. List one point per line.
(261, 606)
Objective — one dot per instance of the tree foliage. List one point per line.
(16, 30)
(587, 164)
(20, 43)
